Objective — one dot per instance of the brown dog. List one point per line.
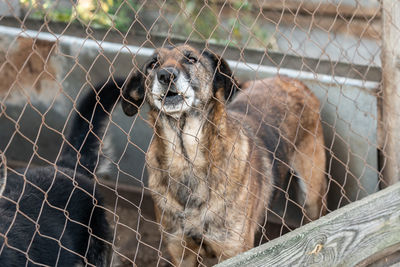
(215, 159)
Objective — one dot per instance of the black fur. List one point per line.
(223, 76)
(131, 105)
(63, 220)
(92, 112)
(53, 215)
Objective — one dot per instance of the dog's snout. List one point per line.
(167, 75)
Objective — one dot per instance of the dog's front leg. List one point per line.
(232, 245)
(184, 251)
(228, 249)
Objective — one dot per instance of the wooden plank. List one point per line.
(345, 237)
(390, 143)
(385, 258)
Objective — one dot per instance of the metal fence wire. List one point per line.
(212, 164)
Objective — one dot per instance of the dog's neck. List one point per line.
(193, 134)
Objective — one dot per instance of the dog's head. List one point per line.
(178, 79)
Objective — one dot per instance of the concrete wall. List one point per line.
(10, 8)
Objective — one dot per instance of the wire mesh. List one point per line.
(53, 52)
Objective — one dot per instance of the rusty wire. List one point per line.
(334, 48)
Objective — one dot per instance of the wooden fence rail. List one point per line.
(356, 234)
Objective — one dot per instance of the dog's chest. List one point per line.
(183, 143)
(183, 170)
(192, 208)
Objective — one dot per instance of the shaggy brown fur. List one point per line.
(214, 163)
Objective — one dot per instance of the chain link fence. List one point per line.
(53, 52)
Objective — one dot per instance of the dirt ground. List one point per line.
(137, 240)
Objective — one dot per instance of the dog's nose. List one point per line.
(167, 75)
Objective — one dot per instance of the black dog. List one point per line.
(53, 215)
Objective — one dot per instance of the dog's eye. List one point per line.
(153, 64)
(191, 60)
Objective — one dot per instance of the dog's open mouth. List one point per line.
(173, 98)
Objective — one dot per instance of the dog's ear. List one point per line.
(223, 76)
(133, 94)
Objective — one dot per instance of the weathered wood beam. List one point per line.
(390, 104)
(345, 237)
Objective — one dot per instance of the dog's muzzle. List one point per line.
(172, 92)
(167, 77)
